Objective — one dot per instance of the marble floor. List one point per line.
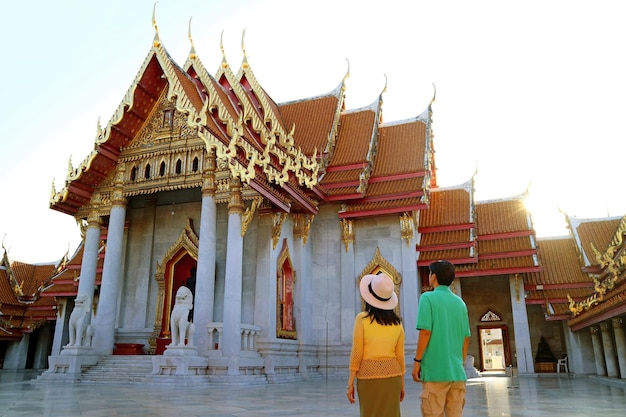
(545, 395)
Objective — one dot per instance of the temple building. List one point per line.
(269, 213)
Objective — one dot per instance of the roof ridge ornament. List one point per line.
(156, 42)
(192, 52)
(243, 49)
(224, 63)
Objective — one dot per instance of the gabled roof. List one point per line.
(397, 179)
(447, 227)
(22, 308)
(157, 73)
(605, 261)
(591, 233)
(315, 119)
(505, 241)
(561, 277)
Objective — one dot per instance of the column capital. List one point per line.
(209, 186)
(117, 198)
(604, 326)
(617, 322)
(235, 204)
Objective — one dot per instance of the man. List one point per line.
(444, 332)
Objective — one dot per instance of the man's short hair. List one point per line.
(444, 271)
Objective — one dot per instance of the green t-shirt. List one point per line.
(444, 314)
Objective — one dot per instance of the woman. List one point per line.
(377, 357)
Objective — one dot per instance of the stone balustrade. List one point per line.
(248, 332)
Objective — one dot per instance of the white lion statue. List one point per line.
(80, 320)
(180, 326)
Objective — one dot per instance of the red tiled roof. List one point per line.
(355, 135)
(313, 119)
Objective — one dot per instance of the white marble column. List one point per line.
(104, 337)
(598, 351)
(265, 283)
(620, 344)
(609, 350)
(231, 336)
(409, 287)
(60, 330)
(520, 326)
(17, 353)
(350, 298)
(205, 274)
(303, 302)
(89, 265)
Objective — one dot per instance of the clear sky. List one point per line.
(530, 95)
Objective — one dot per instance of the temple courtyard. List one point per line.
(543, 395)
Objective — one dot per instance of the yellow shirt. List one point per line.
(377, 350)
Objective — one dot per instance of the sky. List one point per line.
(530, 96)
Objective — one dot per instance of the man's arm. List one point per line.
(465, 346)
(422, 342)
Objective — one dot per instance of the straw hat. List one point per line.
(377, 291)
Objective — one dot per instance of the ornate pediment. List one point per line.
(489, 316)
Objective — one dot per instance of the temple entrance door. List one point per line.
(494, 348)
(179, 271)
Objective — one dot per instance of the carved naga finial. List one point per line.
(243, 49)
(156, 41)
(192, 53)
(224, 64)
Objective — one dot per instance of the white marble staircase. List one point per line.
(119, 369)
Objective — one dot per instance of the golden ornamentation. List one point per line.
(347, 232)
(235, 203)
(247, 216)
(407, 230)
(277, 224)
(377, 265)
(209, 186)
(265, 124)
(301, 225)
(117, 198)
(15, 286)
(612, 265)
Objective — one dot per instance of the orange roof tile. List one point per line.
(561, 263)
(447, 207)
(410, 138)
(505, 216)
(396, 188)
(596, 231)
(355, 135)
(313, 119)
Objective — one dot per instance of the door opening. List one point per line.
(493, 348)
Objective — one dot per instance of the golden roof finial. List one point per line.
(243, 49)
(224, 63)
(192, 53)
(156, 41)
